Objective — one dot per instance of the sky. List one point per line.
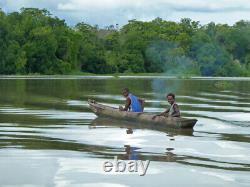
(108, 12)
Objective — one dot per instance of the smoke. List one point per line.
(168, 59)
(159, 87)
(162, 86)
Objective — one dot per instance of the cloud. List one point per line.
(187, 5)
(105, 12)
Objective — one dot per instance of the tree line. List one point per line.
(34, 41)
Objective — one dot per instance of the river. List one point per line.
(48, 137)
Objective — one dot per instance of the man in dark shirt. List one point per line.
(173, 111)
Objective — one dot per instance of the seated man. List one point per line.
(133, 103)
(173, 111)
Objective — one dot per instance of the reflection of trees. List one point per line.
(13, 91)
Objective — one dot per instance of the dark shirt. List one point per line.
(175, 111)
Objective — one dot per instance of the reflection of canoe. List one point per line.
(103, 122)
(141, 117)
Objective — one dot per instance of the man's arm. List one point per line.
(161, 114)
(164, 113)
(142, 102)
(127, 104)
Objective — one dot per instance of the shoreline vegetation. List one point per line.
(35, 43)
(121, 75)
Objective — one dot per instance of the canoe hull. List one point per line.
(102, 122)
(172, 122)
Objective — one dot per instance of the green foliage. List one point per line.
(33, 41)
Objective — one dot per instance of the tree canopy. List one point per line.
(34, 41)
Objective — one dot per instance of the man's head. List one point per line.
(125, 92)
(171, 98)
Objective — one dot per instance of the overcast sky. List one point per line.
(107, 12)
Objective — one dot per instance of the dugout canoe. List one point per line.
(140, 117)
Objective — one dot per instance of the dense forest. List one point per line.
(34, 41)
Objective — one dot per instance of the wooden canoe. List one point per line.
(140, 117)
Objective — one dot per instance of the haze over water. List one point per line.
(48, 136)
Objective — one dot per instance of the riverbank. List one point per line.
(119, 76)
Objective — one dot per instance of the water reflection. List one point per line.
(131, 152)
(101, 122)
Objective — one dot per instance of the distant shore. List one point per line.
(118, 75)
(35, 41)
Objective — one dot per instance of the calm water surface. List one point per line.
(48, 136)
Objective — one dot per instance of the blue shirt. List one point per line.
(135, 103)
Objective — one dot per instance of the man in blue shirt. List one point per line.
(133, 103)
